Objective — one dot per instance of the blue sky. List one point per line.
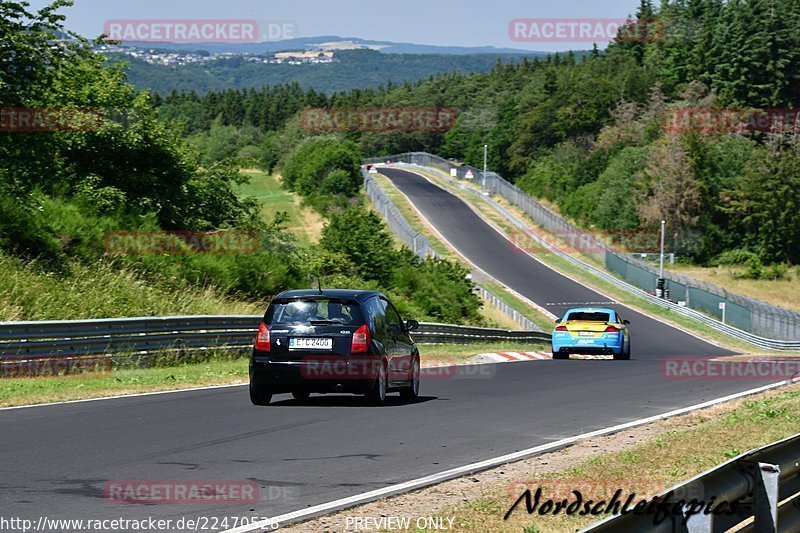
(439, 22)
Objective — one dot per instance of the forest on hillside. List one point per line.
(352, 69)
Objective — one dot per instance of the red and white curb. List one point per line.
(512, 357)
(505, 357)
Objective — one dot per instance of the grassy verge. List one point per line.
(102, 291)
(217, 370)
(220, 368)
(497, 318)
(782, 292)
(591, 281)
(303, 221)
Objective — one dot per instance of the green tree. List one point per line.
(670, 190)
(311, 167)
(360, 235)
(766, 201)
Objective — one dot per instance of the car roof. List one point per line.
(343, 294)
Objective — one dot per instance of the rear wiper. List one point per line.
(321, 322)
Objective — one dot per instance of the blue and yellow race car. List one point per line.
(587, 330)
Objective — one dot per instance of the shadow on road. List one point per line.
(342, 400)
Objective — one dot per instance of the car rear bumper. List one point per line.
(591, 350)
(343, 374)
(596, 346)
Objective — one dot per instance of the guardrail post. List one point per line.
(766, 498)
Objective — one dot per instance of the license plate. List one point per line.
(310, 344)
(586, 334)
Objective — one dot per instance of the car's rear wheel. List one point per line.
(377, 393)
(625, 353)
(412, 391)
(560, 355)
(260, 395)
(300, 395)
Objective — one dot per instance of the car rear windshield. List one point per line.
(314, 311)
(589, 316)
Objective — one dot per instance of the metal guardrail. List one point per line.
(439, 166)
(513, 314)
(418, 243)
(54, 339)
(433, 333)
(757, 480)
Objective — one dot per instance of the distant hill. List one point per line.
(330, 41)
(355, 68)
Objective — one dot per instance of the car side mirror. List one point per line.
(412, 325)
(558, 320)
(626, 322)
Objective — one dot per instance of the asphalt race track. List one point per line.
(57, 459)
(494, 254)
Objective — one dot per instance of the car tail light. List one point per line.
(360, 342)
(612, 329)
(262, 338)
(561, 328)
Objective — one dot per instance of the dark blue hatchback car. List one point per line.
(333, 340)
